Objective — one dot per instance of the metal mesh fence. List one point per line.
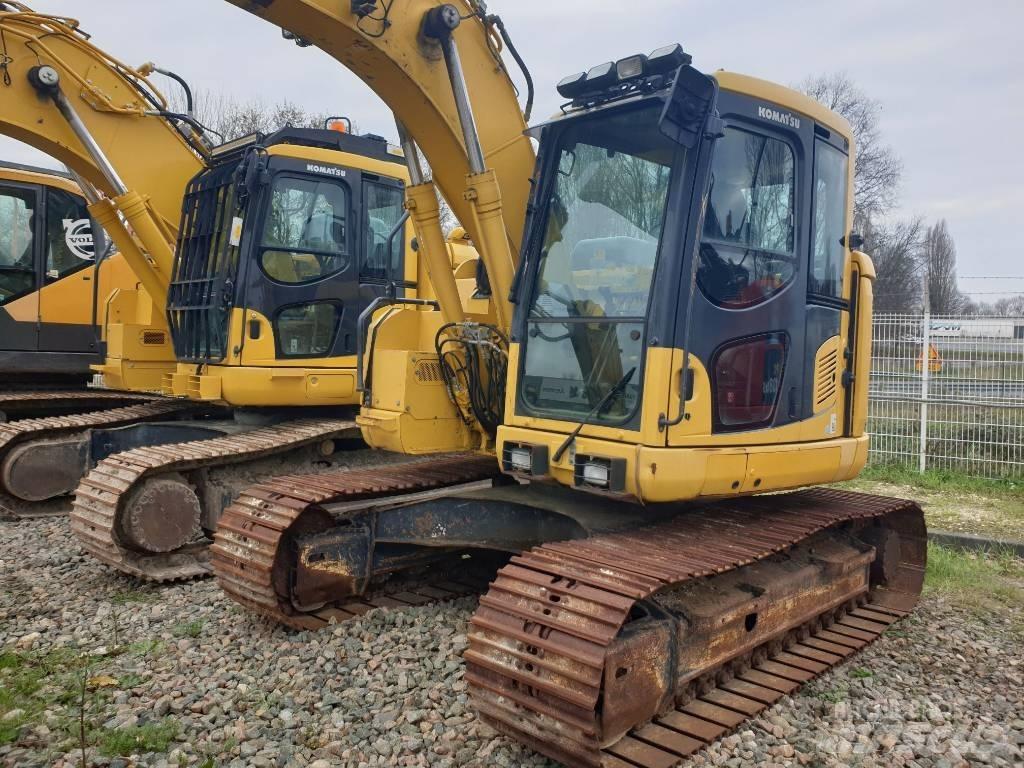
(948, 393)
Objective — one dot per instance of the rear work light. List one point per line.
(599, 473)
(525, 459)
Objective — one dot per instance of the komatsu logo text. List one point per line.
(767, 113)
(326, 170)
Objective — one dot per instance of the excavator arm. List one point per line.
(53, 77)
(391, 53)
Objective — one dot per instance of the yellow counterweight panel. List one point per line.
(410, 76)
(655, 474)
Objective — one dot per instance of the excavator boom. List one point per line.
(391, 52)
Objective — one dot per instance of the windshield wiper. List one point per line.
(597, 411)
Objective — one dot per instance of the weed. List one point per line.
(835, 695)
(129, 681)
(189, 629)
(145, 647)
(151, 737)
(860, 673)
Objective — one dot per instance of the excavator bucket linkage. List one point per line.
(639, 647)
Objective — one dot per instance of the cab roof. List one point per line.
(784, 97)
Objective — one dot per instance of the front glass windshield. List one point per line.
(305, 237)
(603, 225)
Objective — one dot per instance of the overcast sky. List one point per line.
(949, 76)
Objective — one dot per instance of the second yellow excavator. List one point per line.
(283, 241)
(57, 273)
(681, 322)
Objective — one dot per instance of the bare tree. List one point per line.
(877, 169)
(230, 118)
(939, 258)
(895, 250)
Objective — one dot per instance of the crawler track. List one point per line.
(101, 498)
(546, 645)
(17, 434)
(32, 404)
(254, 534)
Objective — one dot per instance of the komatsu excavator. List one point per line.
(260, 254)
(679, 322)
(56, 275)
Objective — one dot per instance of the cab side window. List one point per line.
(17, 241)
(828, 259)
(70, 240)
(747, 250)
(384, 209)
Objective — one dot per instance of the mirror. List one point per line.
(691, 100)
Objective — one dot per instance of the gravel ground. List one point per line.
(177, 675)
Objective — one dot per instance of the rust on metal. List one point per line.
(130, 537)
(257, 560)
(61, 402)
(746, 599)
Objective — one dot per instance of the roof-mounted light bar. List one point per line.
(231, 146)
(605, 76)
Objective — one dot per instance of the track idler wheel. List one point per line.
(162, 515)
(45, 469)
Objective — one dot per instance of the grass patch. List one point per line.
(952, 501)
(151, 737)
(982, 579)
(860, 673)
(129, 596)
(940, 480)
(30, 681)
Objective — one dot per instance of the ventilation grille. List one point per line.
(428, 372)
(826, 378)
(154, 338)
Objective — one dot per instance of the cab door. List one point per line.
(20, 234)
(302, 284)
(67, 302)
(750, 311)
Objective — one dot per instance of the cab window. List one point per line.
(747, 246)
(384, 209)
(305, 236)
(70, 242)
(747, 380)
(829, 255)
(17, 252)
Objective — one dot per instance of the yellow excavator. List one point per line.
(679, 322)
(259, 254)
(56, 274)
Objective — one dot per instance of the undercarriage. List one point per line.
(602, 641)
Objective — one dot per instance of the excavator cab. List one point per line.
(687, 222)
(56, 272)
(284, 241)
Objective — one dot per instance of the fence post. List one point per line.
(925, 372)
